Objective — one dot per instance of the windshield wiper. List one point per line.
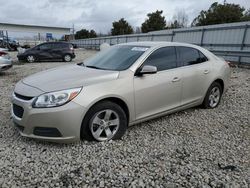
(92, 66)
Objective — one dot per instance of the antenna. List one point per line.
(73, 31)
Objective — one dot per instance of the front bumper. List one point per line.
(67, 119)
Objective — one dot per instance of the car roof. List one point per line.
(56, 42)
(156, 44)
(159, 44)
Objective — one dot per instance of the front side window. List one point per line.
(116, 58)
(45, 46)
(190, 56)
(163, 59)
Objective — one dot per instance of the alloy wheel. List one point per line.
(31, 58)
(67, 58)
(214, 97)
(104, 125)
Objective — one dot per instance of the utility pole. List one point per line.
(225, 2)
(73, 31)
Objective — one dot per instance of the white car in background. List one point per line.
(5, 60)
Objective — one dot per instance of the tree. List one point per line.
(92, 34)
(84, 33)
(174, 25)
(154, 22)
(182, 18)
(246, 16)
(121, 27)
(138, 30)
(220, 13)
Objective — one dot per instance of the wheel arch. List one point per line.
(116, 100)
(221, 82)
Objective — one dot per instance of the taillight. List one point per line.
(3, 53)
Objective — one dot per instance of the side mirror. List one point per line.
(147, 69)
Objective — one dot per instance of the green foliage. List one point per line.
(221, 13)
(175, 25)
(246, 16)
(121, 27)
(84, 33)
(154, 22)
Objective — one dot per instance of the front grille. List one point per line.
(47, 131)
(18, 110)
(25, 98)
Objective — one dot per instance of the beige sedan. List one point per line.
(120, 86)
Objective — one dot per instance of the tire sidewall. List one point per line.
(85, 128)
(206, 103)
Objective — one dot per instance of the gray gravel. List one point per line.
(179, 150)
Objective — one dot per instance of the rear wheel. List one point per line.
(104, 121)
(67, 58)
(213, 96)
(31, 58)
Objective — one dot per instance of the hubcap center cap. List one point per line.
(104, 123)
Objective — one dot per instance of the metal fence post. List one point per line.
(172, 38)
(152, 37)
(202, 36)
(243, 41)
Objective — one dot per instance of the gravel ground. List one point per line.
(178, 150)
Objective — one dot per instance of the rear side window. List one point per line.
(190, 56)
(203, 58)
(61, 45)
(163, 59)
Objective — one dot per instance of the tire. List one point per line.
(67, 58)
(30, 58)
(95, 123)
(213, 96)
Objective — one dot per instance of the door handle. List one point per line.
(206, 71)
(176, 79)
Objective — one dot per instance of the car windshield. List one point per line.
(116, 58)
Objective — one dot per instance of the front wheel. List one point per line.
(104, 121)
(31, 58)
(213, 96)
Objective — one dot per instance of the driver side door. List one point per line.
(44, 52)
(160, 92)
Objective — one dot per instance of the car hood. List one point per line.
(69, 76)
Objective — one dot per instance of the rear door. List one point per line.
(57, 50)
(195, 74)
(156, 93)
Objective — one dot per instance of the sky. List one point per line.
(98, 14)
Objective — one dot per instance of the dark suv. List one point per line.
(49, 51)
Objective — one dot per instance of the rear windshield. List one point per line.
(116, 58)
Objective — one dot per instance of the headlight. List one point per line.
(57, 98)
